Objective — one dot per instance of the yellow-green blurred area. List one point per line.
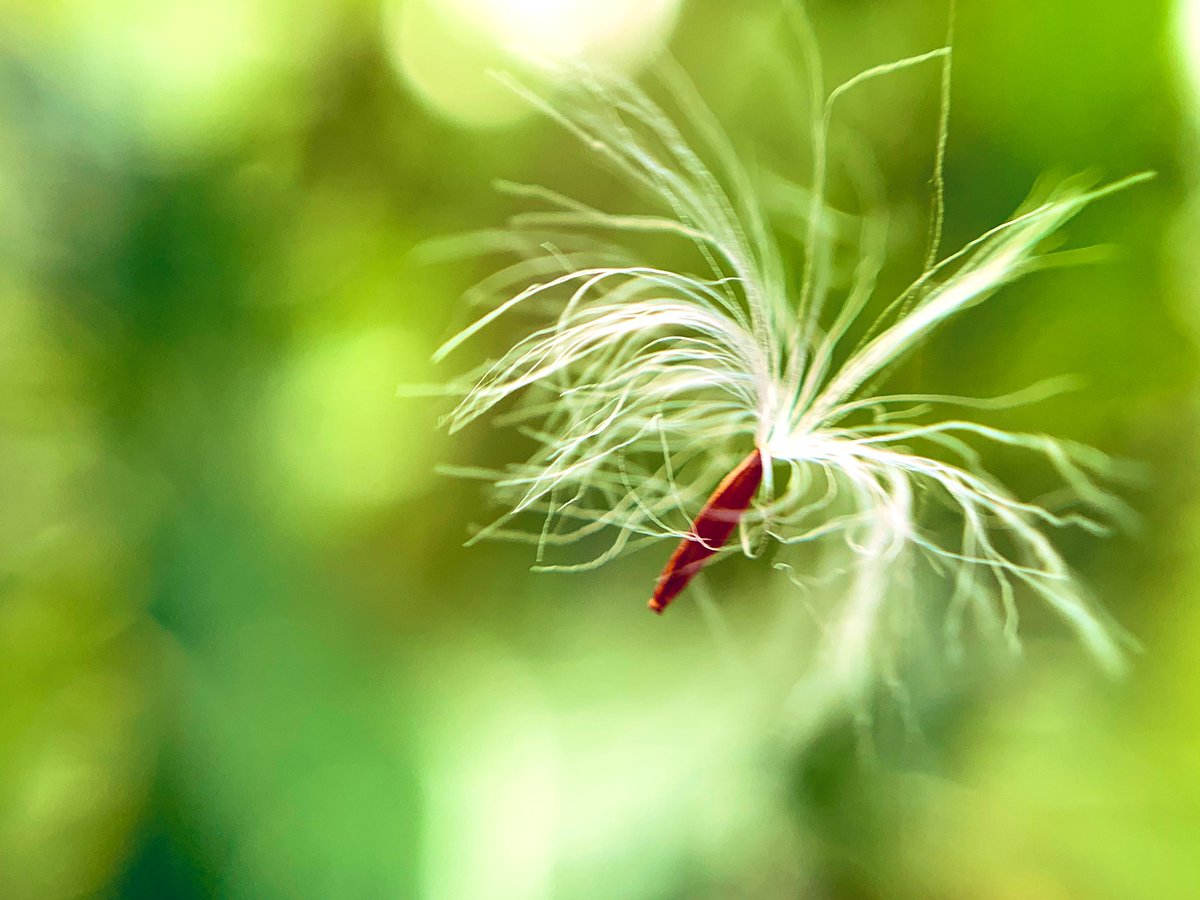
(243, 652)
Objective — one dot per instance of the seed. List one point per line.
(710, 530)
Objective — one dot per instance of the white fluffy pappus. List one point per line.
(644, 386)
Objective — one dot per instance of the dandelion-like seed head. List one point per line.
(644, 387)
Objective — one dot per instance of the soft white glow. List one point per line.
(554, 33)
(1187, 33)
(447, 49)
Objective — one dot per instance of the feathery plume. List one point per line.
(694, 408)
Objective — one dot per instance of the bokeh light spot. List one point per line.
(447, 50)
(339, 437)
(1187, 33)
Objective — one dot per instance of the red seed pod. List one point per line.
(710, 530)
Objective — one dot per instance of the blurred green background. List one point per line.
(242, 650)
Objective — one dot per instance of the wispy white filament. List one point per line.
(646, 385)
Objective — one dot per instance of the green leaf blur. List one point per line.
(243, 652)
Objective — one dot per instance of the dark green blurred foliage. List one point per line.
(244, 652)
